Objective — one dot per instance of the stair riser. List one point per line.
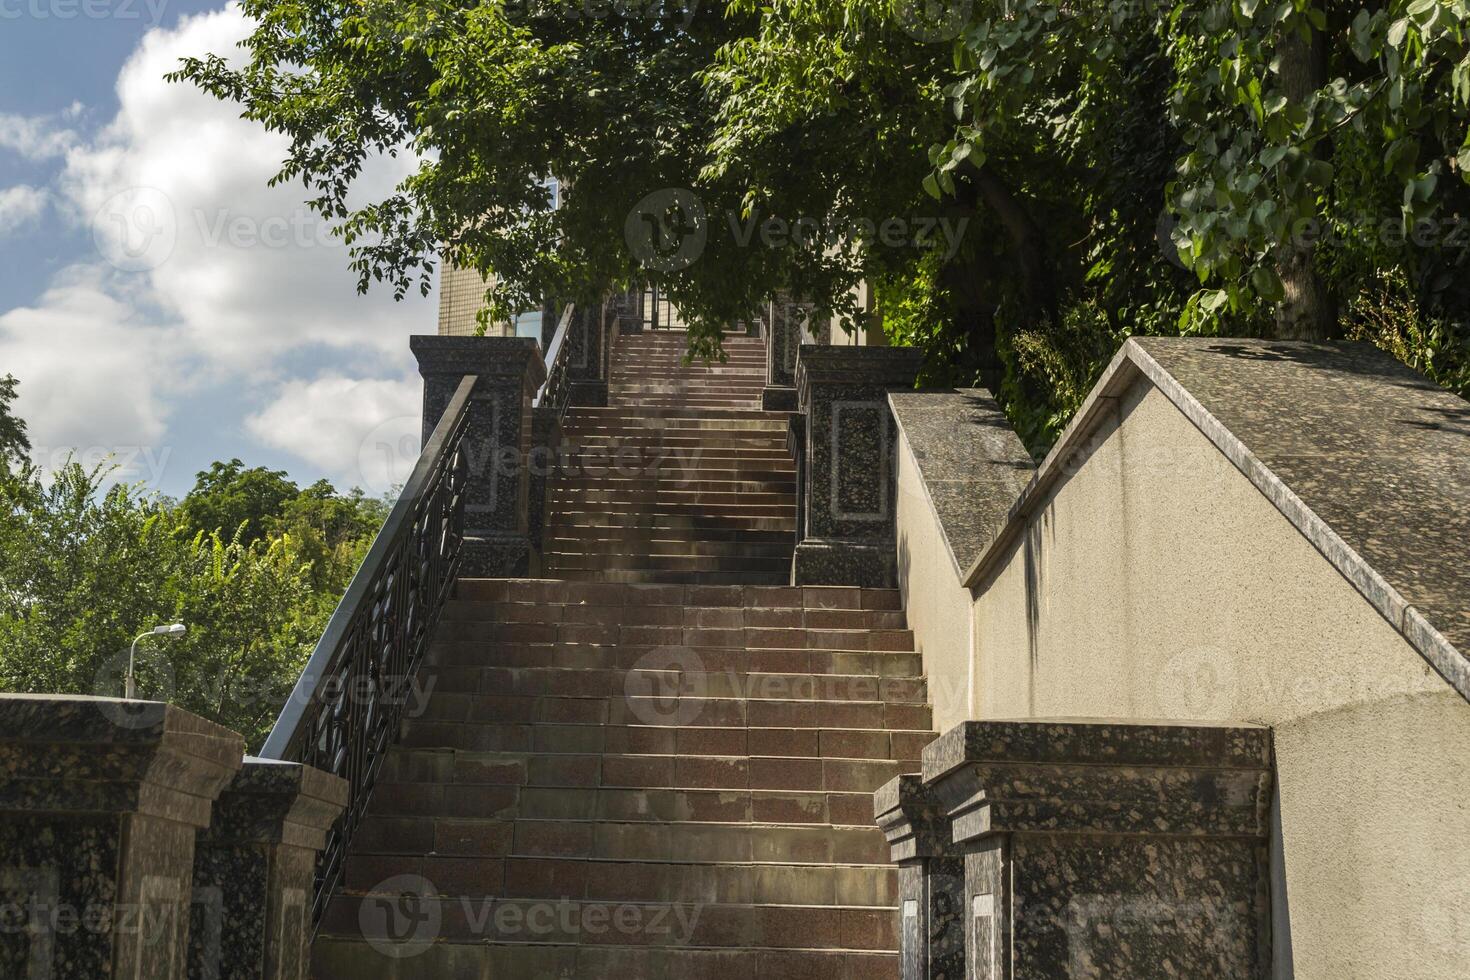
(433, 764)
(620, 881)
(473, 654)
(551, 682)
(582, 838)
(470, 592)
(751, 638)
(355, 960)
(499, 708)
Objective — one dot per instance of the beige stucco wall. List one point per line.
(1156, 582)
(938, 606)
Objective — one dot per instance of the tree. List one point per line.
(228, 498)
(87, 569)
(1204, 166)
(13, 442)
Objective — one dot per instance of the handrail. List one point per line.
(555, 386)
(344, 712)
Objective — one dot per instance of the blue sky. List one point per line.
(160, 305)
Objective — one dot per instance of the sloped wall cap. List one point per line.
(971, 461)
(1368, 460)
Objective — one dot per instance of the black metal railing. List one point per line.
(556, 391)
(344, 713)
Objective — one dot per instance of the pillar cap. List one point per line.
(483, 356)
(270, 801)
(912, 818)
(882, 367)
(80, 754)
(1102, 777)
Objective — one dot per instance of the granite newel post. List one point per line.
(510, 371)
(100, 801)
(1109, 849)
(255, 871)
(931, 880)
(788, 326)
(848, 470)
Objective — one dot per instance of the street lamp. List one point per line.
(173, 629)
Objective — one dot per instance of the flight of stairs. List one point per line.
(681, 479)
(644, 780)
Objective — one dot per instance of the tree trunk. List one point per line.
(1027, 241)
(975, 312)
(1307, 312)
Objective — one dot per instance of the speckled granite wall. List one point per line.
(1089, 850)
(498, 440)
(848, 469)
(254, 870)
(99, 808)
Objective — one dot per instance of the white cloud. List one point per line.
(248, 268)
(90, 372)
(201, 265)
(37, 137)
(20, 205)
(364, 433)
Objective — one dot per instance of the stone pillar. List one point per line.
(849, 463)
(510, 370)
(1109, 849)
(931, 880)
(786, 331)
(629, 311)
(255, 872)
(100, 801)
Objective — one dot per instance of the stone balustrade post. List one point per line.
(100, 803)
(497, 541)
(931, 880)
(788, 326)
(849, 470)
(255, 872)
(1102, 849)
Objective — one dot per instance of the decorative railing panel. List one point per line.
(344, 713)
(556, 392)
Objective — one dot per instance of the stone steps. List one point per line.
(558, 961)
(459, 827)
(661, 730)
(638, 739)
(471, 654)
(609, 879)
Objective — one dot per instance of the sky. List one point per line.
(160, 305)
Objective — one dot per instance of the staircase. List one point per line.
(681, 479)
(646, 769)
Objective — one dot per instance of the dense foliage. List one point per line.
(87, 568)
(1292, 168)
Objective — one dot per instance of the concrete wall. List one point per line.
(1155, 582)
(938, 605)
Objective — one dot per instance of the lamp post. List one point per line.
(173, 629)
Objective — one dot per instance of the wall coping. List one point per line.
(971, 463)
(1339, 437)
